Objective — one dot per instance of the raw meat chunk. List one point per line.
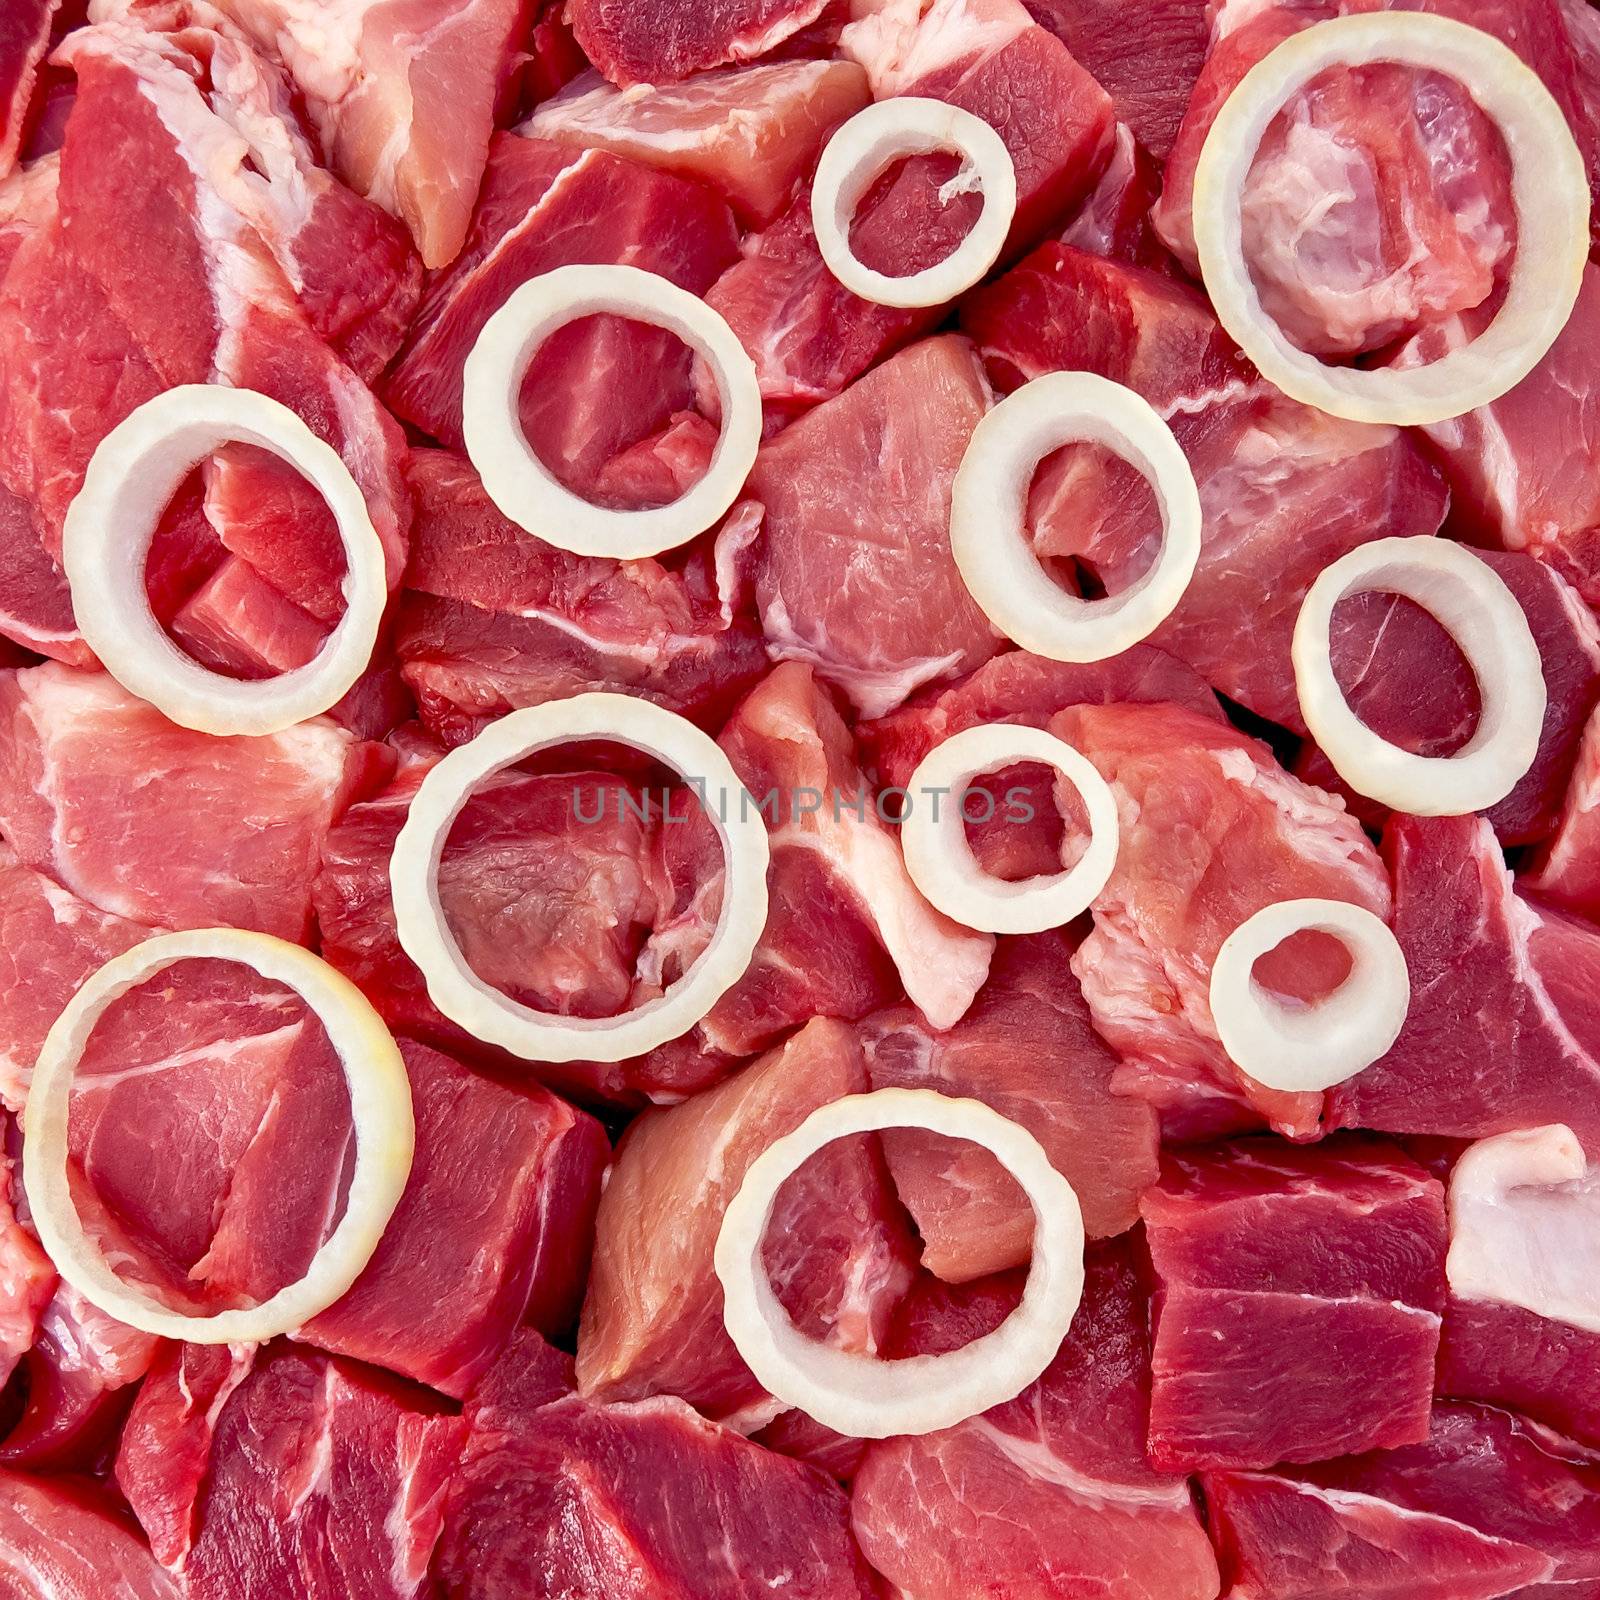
(491, 619)
(100, 791)
(559, 1497)
(1567, 870)
(853, 569)
(1027, 1048)
(1503, 1031)
(838, 1251)
(64, 1540)
(321, 1479)
(27, 1277)
(1212, 830)
(1297, 1315)
(669, 39)
(1115, 219)
(1050, 1494)
(24, 38)
(749, 133)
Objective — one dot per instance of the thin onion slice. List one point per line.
(380, 1114)
(858, 1394)
(901, 126)
(1312, 1047)
(494, 1017)
(988, 514)
(939, 856)
(132, 475)
(1548, 188)
(1470, 601)
(524, 488)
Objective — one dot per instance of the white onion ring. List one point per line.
(939, 857)
(858, 1394)
(525, 489)
(988, 515)
(1548, 188)
(901, 126)
(134, 472)
(1307, 1048)
(380, 1113)
(494, 1017)
(1470, 601)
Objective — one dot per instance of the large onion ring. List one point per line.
(939, 857)
(1548, 188)
(134, 472)
(1310, 1047)
(988, 515)
(380, 1113)
(858, 1394)
(1470, 601)
(524, 488)
(497, 1019)
(908, 125)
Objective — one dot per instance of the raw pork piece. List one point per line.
(1291, 1280)
(1213, 830)
(1026, 1048)
(1567, 870)
(668, 40)
(807, 334)
(557, 1497)
(1115, 219)
(601, 383)
(491, 619)
(402, 93)
(1487, 1505)
(24, 38)
(1406, 678)
(1285, 488)
(853, 569)
(1503, 1031)
(750, 133)
(64, 1539)
(305, 1476)
(1049, 1495)
(838, 1252)
(1147, 64)
(100, 791)
(27, 1278)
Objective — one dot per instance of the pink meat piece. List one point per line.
(1213, 830)
(1285, 489)
(491, 620)
(854, 572)
(1290, 1279)
(1567, 870)
(24, 38)
(808, 335)
(750, 133)
(1149, 69)
(1027, 1048)
(1503, 1031)
(838, 1252)
(1050, 1494)
(67, 1534)
(402, 93)
(557, 1497)
(1407, 679)
(1114, 221)
(101, 792)
(599, 384)
(321, 1478)
(1487, 1504)
(670, 39)
(27, 1278)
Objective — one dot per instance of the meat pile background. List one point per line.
(1268, 1392)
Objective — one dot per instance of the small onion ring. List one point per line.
(858, 1394)
(134, 472)
(939, 857)
(1548, 187)
(524, 488)
(989, 508)
(380, 1113)
(497, 1019)
(909, 125)
(1311, 1047)
(1470, 601)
